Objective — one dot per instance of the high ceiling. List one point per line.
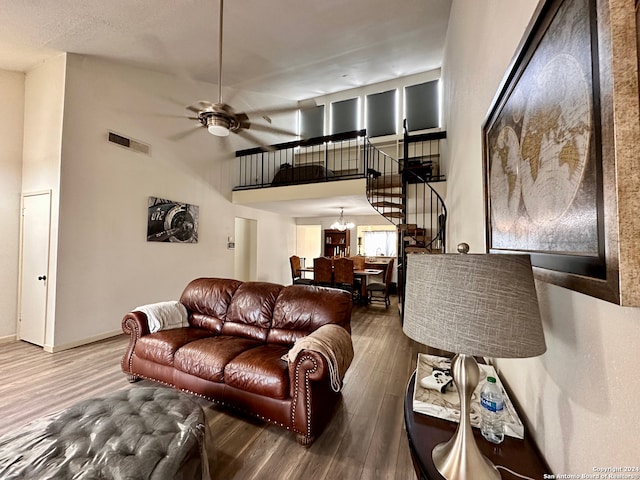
(295, 49)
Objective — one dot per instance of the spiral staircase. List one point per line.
(403, 192)
(408, 192)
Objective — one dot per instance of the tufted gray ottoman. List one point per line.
(139, 433)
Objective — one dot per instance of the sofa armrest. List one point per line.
(309, 365)
(309, 382)
(135, 325)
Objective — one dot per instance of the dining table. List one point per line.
(364, 274)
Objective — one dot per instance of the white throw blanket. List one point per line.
(164, 315)
(334, 343)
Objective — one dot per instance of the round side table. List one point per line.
(425, 432)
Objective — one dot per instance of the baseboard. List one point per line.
(8, 338)
(78, 343)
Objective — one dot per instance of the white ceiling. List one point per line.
(295, 49)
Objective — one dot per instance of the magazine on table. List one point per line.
(430, 401)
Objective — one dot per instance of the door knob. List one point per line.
(42, 277)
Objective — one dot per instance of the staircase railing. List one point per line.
(406, 199)
(401, 191)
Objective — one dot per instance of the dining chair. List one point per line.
(379, 292)
(358, 262)
(322, 272)
(296, 274)
(343, 277)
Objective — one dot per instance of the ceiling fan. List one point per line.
(220, 118)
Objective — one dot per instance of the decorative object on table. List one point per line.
(170, 221)
(439, 380)
(472, 305)
(341, 224)
(559, 169)
(446, 405)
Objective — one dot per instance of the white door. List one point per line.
(36, 217)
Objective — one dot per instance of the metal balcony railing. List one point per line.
(321, 159)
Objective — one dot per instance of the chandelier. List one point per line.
(341, 224)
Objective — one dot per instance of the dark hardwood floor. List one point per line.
(365, 439)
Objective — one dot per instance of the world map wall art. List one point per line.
(542, 146)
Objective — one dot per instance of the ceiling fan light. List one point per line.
(218, 130)
(218, 126)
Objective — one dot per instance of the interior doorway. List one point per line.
(34, 266)
(246, 249)
(308, 243)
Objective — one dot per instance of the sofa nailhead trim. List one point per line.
(307, 396)
(219, 402)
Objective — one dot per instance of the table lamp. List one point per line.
(481, 305)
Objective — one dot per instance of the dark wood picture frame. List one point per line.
(557, 137)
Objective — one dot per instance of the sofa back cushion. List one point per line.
(207, 301)
(301, 309)
(251, 310)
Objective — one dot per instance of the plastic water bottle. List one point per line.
(492, 403)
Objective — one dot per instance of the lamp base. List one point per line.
(460, 458)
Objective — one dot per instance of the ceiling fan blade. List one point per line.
(199, 106)
(276, 110)
(157, 48)
(269, 129)
(184, 134)
(171, 115)
(255, 140)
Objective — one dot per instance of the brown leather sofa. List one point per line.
(231, 351)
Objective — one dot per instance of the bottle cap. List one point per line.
(491, 380)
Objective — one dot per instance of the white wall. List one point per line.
(43, 116)
(580, 397)
(11, 132)
(102, 265)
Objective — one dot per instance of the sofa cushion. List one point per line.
(160, 347)
(301, 309)
(207, 300)
(251, 310)
(261, 371)
(207, 358)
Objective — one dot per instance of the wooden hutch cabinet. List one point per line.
(336, 243)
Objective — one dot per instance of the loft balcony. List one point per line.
(306, 177)
(313, 177)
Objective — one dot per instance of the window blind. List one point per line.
(344, 116)
(312, 122)
(381, 113)
(421, 106)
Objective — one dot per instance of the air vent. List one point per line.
(129, 143)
